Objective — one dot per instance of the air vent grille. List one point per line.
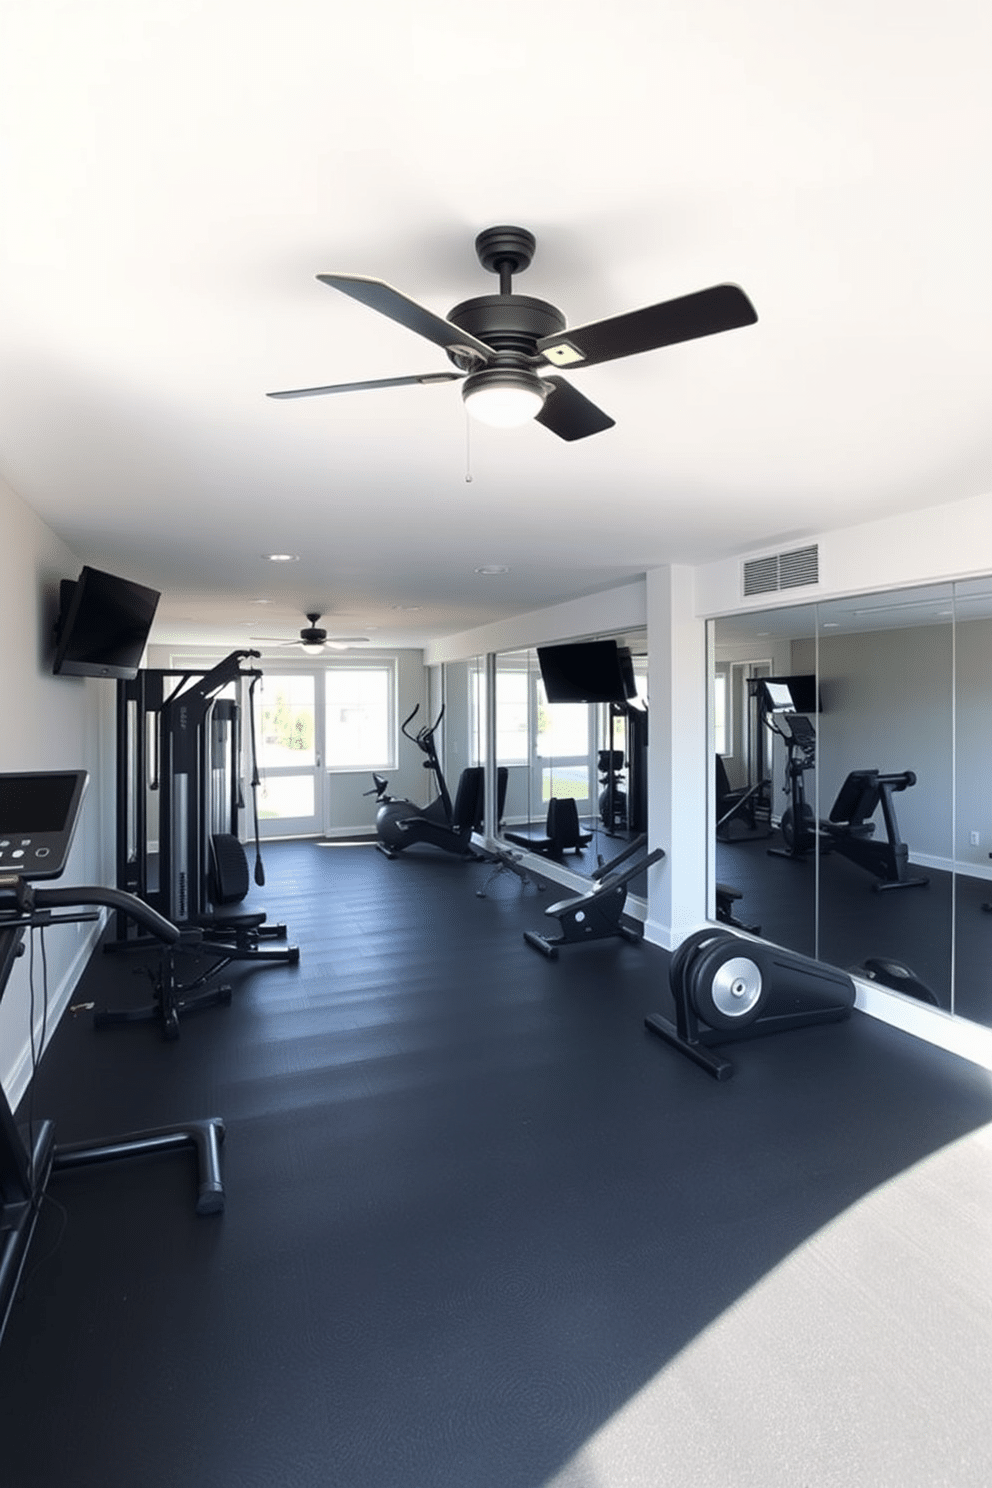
(792, 570)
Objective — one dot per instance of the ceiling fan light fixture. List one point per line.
(504, 397)
(312, 648)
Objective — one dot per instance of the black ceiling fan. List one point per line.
(313, 638)
(500, 344)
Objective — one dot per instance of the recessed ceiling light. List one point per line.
(493, 568)
(402, 607)
(281, 557)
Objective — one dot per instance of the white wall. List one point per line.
(49, 723)
(942, 542)
(609, 611)
(888, 704)
(679, 772)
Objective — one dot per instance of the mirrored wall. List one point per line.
(853, 816)
(591, 757)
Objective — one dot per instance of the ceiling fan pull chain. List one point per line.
(468, 449)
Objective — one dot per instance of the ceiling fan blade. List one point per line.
(357, 387)
(569, 414)
(725, 307)
(406, 312)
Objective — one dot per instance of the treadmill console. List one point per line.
(38, 815)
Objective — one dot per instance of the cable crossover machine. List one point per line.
(179, 797)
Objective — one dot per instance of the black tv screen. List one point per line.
(582, 672)
(103, 626)
(627, 670)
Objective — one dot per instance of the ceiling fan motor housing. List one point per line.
(508, 323)
(312, 635)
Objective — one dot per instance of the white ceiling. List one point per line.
(174, 175)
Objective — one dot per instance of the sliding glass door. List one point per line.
(320, 732)
(289, 740)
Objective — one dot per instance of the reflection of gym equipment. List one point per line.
(41, 811)
(183, 745)
(562, 833)
(849, 829)
(595, 914)
(443, 824)
(613, 796)
(726, 898)
(797, 823)
(741, 804)
(727, 988)
(899, 978)
(634, 798)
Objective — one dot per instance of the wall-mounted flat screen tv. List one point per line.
(583, 672)
(627, 670)
(103, 625)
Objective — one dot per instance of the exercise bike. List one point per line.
(798, 822)
(399, 823)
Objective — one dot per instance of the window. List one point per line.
(286, 724)
(360, 717)
(721, 738)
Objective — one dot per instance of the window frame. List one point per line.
(338, 667)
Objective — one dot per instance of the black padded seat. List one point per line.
(562, 831)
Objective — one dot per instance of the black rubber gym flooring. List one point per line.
(483, 1230)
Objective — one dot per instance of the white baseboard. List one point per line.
(957, 1035)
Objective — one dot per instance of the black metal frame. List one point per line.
(29, 1156)
(184, 762)
(596, 914)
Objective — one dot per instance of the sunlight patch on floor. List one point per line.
(862, 1358)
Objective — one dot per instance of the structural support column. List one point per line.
(678, 779)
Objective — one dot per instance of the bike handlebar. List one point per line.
(148, 918)
(421, 737)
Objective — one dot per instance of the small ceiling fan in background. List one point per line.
(313, 639)
(502, 344)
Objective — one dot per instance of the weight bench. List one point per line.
(733, 805)
(726, 897)
(851, 832)
(562, 831)
(595, 914)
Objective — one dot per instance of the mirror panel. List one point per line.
(903, 687)
(594, 754)
(973, 825)
(513, 713)
(885, 747)
(763, 840)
